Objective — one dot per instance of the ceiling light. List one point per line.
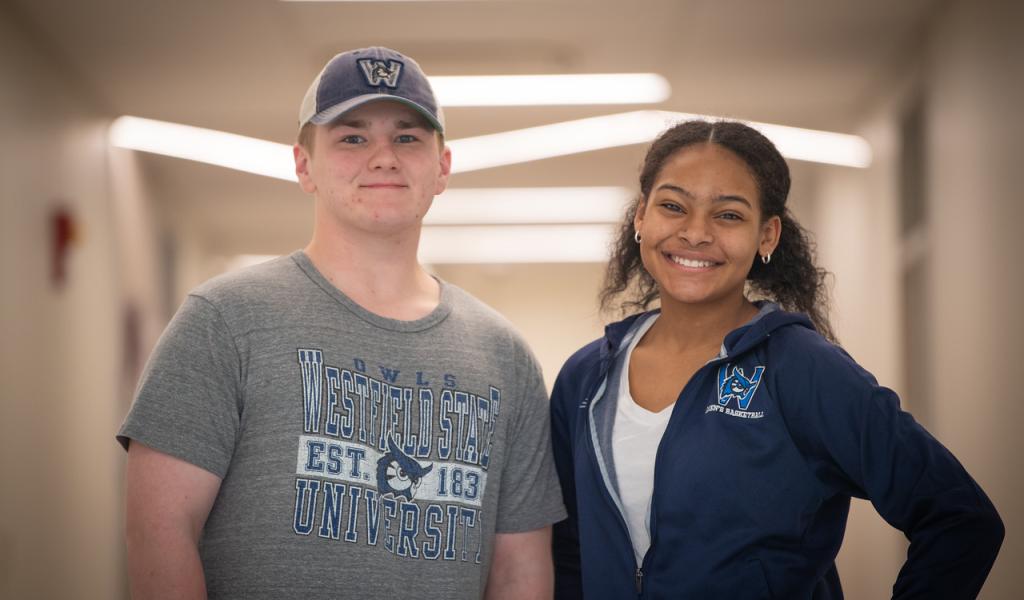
(497, 244)
(204, 145)
(491, 206)
(481, 152)
(381, 0)
(557, 139)
(535, 90)
(516, 244)
(812, 145)
(638, 127)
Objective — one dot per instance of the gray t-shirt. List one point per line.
(360, 456)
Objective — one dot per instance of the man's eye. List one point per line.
(352, 139)
(406, 138)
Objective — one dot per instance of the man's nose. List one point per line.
(383, 156)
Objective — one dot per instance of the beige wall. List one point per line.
(553, 306)
(974, 96)
(968, 74)
(856, 242)
(60, 350)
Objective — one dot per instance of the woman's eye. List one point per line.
(672, 206)
(731, 216)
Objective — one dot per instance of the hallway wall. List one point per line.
(60, 352)
(934, 312)
(975, 212)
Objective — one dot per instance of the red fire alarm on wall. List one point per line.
(63, 234)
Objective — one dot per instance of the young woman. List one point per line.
(709, 449)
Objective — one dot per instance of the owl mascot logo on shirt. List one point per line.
(398, 473)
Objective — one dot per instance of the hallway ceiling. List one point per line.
(243, 65)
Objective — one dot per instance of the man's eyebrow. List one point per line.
(685, 192)
(416, 124)
(363, 124)
(346, 122)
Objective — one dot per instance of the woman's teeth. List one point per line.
(695, 264)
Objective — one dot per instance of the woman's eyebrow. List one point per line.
(677, 189)
(685, 192)
(733, 198)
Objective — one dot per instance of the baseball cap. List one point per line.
(356, 77)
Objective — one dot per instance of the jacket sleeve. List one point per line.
(565, 540)
(858, 442)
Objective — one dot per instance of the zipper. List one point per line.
(638, 575)
(610, 495)
(599, 463)
(700, 374)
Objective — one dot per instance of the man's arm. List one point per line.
(522, 568)
(167, 502)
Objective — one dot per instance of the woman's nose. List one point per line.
(695, 230)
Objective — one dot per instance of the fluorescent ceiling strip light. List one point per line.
(495, 206)
(557, 139)
(516, 244)
(205, 145)
(497, 244)
(536, 90)
(367, 1)
(638, 127)
(481, 152)
(811, 145)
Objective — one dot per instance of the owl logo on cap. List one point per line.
(381, 72)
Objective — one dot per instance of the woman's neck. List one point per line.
(687, 327)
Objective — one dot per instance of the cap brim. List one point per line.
(332, 113)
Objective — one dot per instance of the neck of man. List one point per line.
(379, 272)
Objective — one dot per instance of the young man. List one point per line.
(337, 423)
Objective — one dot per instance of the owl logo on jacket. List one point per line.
(734, 384)
(398, 473)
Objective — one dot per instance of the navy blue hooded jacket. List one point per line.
(753, 477)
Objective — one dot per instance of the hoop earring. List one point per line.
(636, 236)
(766, 258)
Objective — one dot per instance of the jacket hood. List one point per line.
(768, 320)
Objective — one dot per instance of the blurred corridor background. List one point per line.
(100, 243)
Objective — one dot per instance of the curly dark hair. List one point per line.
(791, 278)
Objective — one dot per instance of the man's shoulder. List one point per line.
(469, 308)
(243, 285)
(480, 319)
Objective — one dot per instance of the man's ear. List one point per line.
(302, 160)
(445, 170)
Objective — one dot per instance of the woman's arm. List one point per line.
(859, 442)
